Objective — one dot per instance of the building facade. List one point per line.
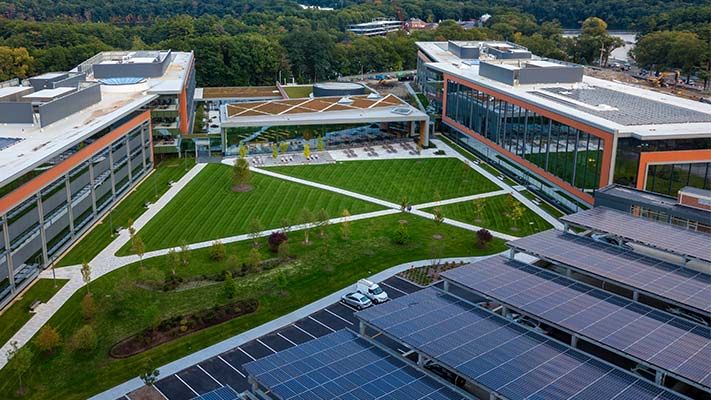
(72, 144)
(559, 132)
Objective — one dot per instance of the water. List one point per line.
(621, 53)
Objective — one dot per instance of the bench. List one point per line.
(34, 305)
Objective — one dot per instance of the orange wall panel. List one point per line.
(668, 157)
(607, 138)
(36, 184)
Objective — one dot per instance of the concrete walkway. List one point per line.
(523, 199)
(106, 261)
(264, 329)
(102, 264)
(459, 199)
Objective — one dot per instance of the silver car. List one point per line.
(356, 300)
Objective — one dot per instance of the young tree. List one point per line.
(345, 226)
(255, 228)
(307, 218)
(243, 151)
(86, 275)
(307, 150)
(151, 314)
(322, 221)
(173, 260)
(255, 258)
(438, 216)
(217, 251)
(516, 213)
(184, 254)
(19, 361)
(478, 209)
(403, 204)
(48, 339)
(402, 234)
(138, 247)
(483, 237)
(283, 251)
(320, 146)
(275, 240)
(233, 263)
(84, 339)
(241, 175)
(275, 151)
(88, 307)
(229, 287)
(283, 147)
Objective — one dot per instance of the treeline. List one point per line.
(260, 48)
(619, 14)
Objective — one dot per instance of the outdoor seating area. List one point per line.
(290, 159)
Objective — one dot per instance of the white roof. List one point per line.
(173, 80)
(49, 93)
(50, 75)
(40, 144)
(10, 90)
(528, 93)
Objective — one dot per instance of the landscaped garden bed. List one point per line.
(178, 326)
(429, 274)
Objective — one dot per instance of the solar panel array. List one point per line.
(656, 234)
(223, 393)
(674, 283)
(342, 365)
(505, 357)
(639, 331)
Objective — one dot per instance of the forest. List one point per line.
(241, 42)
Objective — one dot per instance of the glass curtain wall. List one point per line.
(566, 152)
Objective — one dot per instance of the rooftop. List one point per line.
(32, 144)
(238, 92)
(607, 105)
(323, 110)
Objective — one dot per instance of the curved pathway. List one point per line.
(106, 261)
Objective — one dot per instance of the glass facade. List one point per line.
(570, 154)
(663, 178)
(430, 83)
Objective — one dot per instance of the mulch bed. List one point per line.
(180, 326)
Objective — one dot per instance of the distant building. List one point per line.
(416, 24)
(377, 27)
(72, 144)
(563, 134)
(318, 8)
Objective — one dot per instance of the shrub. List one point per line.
(88, 307)
(48, 339)
(83, 340)
(229, 288)
(402, 235)
(255, 258)
(232, 263)
(283, 251)
(217, 251)
(483, 237)
(276, 239)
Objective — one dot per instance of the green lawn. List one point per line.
(471, 157)
(130, 208)
(316, 270)
(208, 209)
(547, 207)
(420, 181)
(495, 216)
(298, 92)
(15, 316)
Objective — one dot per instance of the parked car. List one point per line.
(529, 323)
(688, 315)
(607, 239)
(445, 373)
(371, 290)
(356, 300)
(644, 372)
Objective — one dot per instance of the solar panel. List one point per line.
(342, 365)
(223, 393)
(657, 278)
(675, 345)
(500, 355)
(662, 236)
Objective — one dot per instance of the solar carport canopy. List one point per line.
(673, 344)
(504, 357)
(661, 236)
(342, 365)
(656, 278)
